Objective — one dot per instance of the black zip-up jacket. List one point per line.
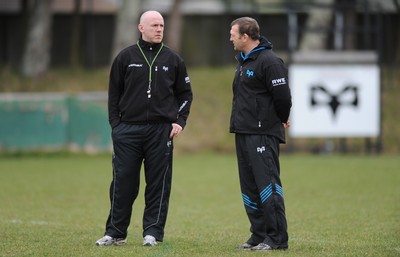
(261, 93)
(131, 100)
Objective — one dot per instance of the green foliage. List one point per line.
(57, 80)
(336, 206)
(208, 125)
(209, 120)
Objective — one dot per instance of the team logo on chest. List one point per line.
(249, 73)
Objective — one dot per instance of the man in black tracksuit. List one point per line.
(149, 102)
(260, 110)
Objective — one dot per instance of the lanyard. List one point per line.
(150, 66)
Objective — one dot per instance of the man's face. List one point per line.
(152, 28)
(236, 38)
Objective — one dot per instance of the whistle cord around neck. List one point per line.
(150, 66)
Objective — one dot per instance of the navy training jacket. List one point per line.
(261, 94)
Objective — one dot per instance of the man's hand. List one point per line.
(286, 124)
(176, 129)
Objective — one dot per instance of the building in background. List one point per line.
(372, 24)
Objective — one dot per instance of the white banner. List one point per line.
(335, 100)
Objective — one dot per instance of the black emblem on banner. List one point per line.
(320, 96)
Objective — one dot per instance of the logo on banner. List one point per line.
(321, 96)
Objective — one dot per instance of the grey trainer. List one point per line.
(261, 247)
(245, 246)
(149, 241)
(108, 240)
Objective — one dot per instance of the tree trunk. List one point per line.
(350, 17)
(75, 59)
(397, 36)
(317, 18)
(36, 57)
(174, 28)
(126, 31)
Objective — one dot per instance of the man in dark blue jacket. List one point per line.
(149, 102)
(260, 111)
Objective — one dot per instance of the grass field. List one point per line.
(56, 205)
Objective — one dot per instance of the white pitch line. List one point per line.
(33, 222)
(309, 240)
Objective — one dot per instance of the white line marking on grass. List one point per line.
(40, 222)
(33, 222)
(309, 240)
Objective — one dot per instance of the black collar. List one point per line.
(149, 46)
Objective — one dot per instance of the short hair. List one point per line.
(248, 26)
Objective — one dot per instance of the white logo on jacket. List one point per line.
(278, 82)
(261, 149)
(135, 65)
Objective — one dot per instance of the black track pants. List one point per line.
(259, 174)
(134, 144)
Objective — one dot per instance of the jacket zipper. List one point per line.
(258, 110)
(237, 96)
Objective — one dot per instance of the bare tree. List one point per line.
(36, 57)
(317, 18)
(76, 35)
(397, 49)
(174, 30)
(350, 16)
(126, 32)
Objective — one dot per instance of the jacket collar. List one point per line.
(148, 46)
(263, 45)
